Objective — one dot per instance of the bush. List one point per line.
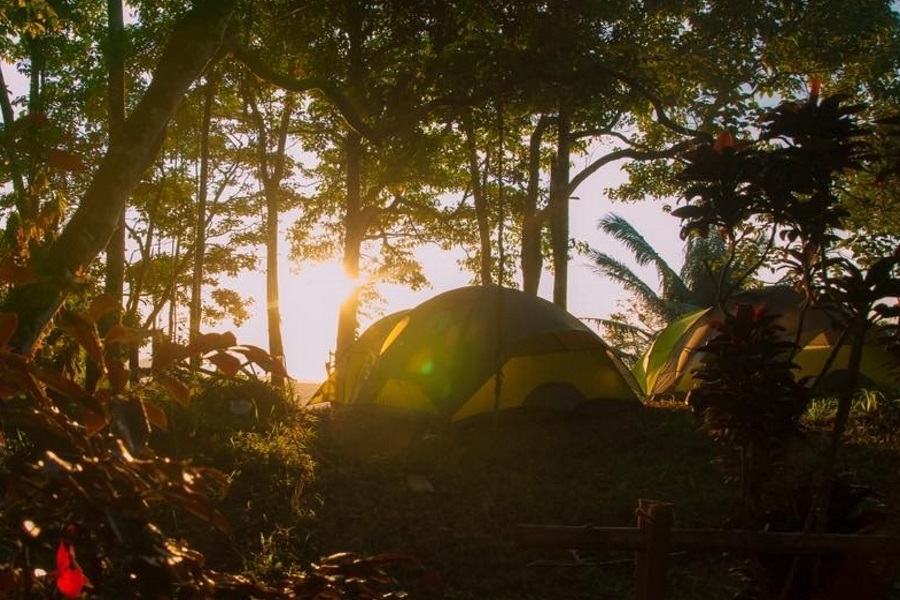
(238, 404)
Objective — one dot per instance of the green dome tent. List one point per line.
(666, 366)
(441, 359)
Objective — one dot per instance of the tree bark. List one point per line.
(194, 43)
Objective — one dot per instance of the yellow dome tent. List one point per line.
(442, 357)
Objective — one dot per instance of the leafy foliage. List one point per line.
(747, 395)
(790, 182)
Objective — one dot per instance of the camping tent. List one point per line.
(442, 358)
(667, 364)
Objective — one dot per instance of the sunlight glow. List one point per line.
(310, 302)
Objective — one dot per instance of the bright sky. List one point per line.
(310, 298)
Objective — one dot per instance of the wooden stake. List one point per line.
(655, 523)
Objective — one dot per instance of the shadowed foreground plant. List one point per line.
(77, 475)
(747, 396)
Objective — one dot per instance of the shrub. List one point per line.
(747, 396)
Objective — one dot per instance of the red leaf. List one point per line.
(118, 375)
(93, 422)
(68, 388)
(63, 557)
(815, 86)
(85, 333)
(14, 274)
(262, 358)
(226, 363)
(69, 578)
(207, 342)
(156, 416)
(102, 304)
(9, 322)
(119, 334)
(179, 391)
(723, 140)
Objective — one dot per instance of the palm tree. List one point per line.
(710, 273)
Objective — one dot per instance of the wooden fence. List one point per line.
(654, 537)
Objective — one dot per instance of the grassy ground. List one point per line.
(329, 482)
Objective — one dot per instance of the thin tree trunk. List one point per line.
(196, 307)
(532, 261)
(35, 107)
(486, 271)
(559, 210)
(114, 284)
(173, 292)
(115, 250)
(193, 44)
(273, 212)
(354, 231)
(355, 228)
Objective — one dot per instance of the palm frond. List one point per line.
(606, 265)
(622, 328)
(644, 253)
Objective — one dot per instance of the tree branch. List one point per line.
(310, 84)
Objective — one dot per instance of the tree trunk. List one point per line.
(196, 309)
(532, 261)
(354, 225)
(481, 206)
(273, 211)
(353, 237)
(35, 107)
(193, 44)
(115, 250)
(559, 210)
(114, 284)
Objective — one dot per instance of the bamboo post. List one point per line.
(654, 520)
